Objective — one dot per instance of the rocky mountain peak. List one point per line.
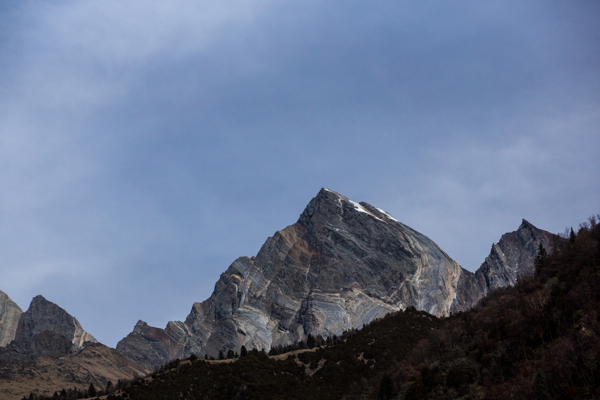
(341, 265)
(334, 207)
(140, 327)
(513, 256)
(44, 315)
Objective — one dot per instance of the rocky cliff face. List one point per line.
(340, 266)
(10, 313)
(44, 315)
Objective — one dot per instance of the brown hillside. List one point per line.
(96, 364)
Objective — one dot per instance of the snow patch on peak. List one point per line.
(386, 214)
(361, 209)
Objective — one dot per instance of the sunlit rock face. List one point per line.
(511, 258)
(340, 266)
(44, 315)
(10, 313)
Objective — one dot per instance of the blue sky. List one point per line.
(145, 145)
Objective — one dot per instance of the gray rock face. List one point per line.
(10, 313)
(44, 315)
(511, 258)
(43, 344)
(340, 266)
(146, 345)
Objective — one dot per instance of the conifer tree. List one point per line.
(310, 341)
(540, 258)
(92, 390)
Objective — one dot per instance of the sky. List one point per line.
(145, 145)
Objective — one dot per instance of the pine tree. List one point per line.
(540, 258)
(310, 341)
(243, 351)
(92, 390)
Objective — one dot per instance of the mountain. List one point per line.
(539, 339)
(44, 330)
(511, 258)
(50, 351)
(10, 313)
(44, 315)
(340, 266)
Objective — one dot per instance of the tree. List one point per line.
(243, 351)
(310, 341)
(386, 387)
(572, 236)
(230, 353)
(540, 258)
(221, 356)
(92, 390)
(109, 386)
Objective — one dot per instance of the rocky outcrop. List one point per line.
(511, 258)
(10, 313)
(340, 266)
(147, 345)
(44, 315)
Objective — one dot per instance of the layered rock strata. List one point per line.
(10, 313)
(340, 266)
